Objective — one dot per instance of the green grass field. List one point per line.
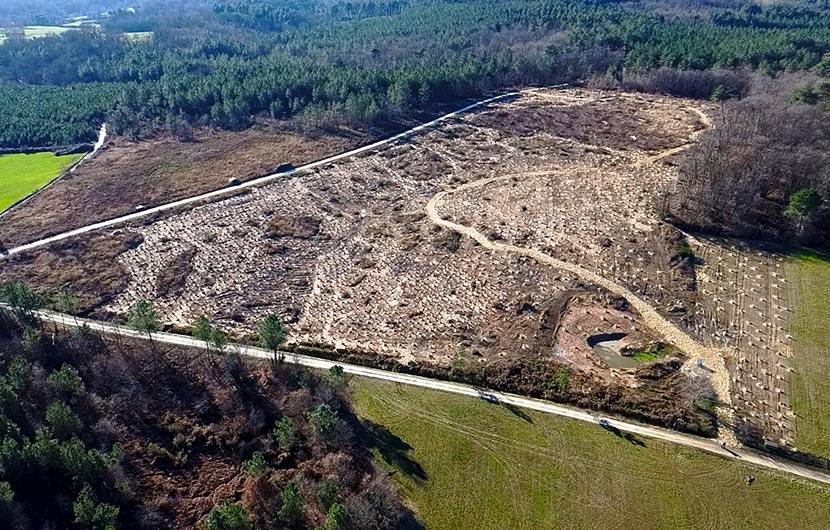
(465, 464)
(22, 175)
(809, 275)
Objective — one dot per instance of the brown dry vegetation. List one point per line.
(738, 180)
(658, 393)
(89, 268)
(125, 175)
(186, 422)
(609, 122)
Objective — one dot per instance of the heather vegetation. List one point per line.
(105, 435)
(362, 63)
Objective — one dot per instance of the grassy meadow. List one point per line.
(22, 175)
(809, 276)
(462, 464)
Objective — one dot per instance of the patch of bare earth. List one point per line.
(349, 258)
(346, 254)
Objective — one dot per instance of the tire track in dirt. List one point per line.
(712, 357)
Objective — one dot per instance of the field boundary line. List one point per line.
(102, 136)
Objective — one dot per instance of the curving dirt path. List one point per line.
(711, 357)
(707, 124)
(226, 192)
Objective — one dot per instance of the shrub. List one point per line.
(202, 330)
(324, 419)
(90, 515)
(338, 517)
(44, 454)
(336, 377)
(291, 511)
(62, 420)
(157, 451)
(65, 380)
(459, 358)
(327, 494)
(803, 203)
(562, 377)
(82, 465)
(24, 302)
(304, 379)
(256, 465)
(66, 303)
(272, 335)
(228, 517)
(6, 493)
(215, 339)
(143, 317)
(17, 373)
(685, 251)
(284, 433)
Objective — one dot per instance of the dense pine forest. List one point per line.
(361, 63)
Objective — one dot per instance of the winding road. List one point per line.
(685, 440)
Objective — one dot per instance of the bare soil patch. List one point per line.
(617, 123)
(347, 256)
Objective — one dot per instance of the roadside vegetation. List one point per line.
(809, 275)
(22, 175)
(99, 435)
(465, 463)
(663, 396)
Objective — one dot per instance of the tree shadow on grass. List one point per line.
(494, 400)
(627, 436)
(516, 411)
(754, 438)
(392, 449)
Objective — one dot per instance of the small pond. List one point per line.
(608, 347)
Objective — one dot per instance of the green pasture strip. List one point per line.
(465, 464)
(809, 277)
(22, 175)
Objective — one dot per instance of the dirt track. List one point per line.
(713, 358)
(364, 251)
